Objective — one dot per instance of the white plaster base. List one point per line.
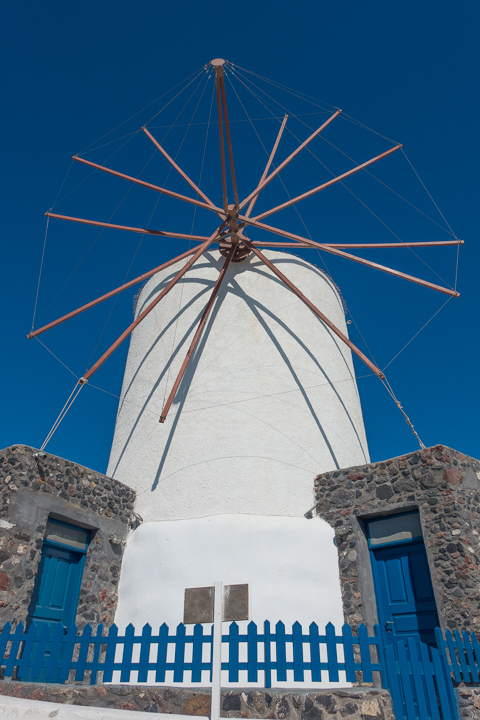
(290, 565)
(20, 709)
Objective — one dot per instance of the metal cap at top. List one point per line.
(217, 62)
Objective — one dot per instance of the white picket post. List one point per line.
(217, 652)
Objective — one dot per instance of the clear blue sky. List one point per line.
(73, 71)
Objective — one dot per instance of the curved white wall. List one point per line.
(290, 565)
(269, 399)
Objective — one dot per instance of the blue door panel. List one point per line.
(39, 590)
(407, 623)
(60, 585)
(60, 580)
(422, 585)
(413, 622)
(405, 600)
(395, 579)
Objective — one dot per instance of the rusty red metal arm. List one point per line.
(335, 251)
(196, 337)
(288, 160)
(110, 294)
(297, 199)
(316, 311)
(229, 140)
(267, 244)
(268, 165)
(150, 307)
(219, 70)
(142, 231)
(164, 191)
(178, 169)
(435, 243)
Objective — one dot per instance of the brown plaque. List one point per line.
(198, 606)
(235, 602)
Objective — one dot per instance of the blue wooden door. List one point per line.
(405, 600)
(56, 592)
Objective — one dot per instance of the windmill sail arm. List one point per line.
(151, 306)
(341, 253)
(267, 167)
(229, 140)
(142, 231)
(178, 169)
(164, 191)
(220, 133)
(196, 337)
(317, 312)
(289, 159)
(358, 246)
(110, 294)
(334, 180)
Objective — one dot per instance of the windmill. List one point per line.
(263, 397)
(235, 222)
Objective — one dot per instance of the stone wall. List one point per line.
(444, 486)
(358, 704)
(441, 483)
(31, 490)
(470, 702)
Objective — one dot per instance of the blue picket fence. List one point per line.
(51, 654)
(420, 682)
(421, 677)
(461, 653)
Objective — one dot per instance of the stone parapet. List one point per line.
(444, 486)
(34, 488)
(364, 703)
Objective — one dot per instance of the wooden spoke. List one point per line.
(196, 337)
(142, 231)
(362, 246)
(229, 140)
(178, 169)
(336, 251)
(288, 160)
(110, 294)
(297, 199)
(164, 191)
(281, 245)
(315, 310)
(267, 167)
(153, 304)
(395, 244)
(218, 73)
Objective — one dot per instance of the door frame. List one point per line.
(69, 619)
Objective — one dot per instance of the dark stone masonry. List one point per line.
(444, 486)
(34, 488)
(360, 704)
(470, 702)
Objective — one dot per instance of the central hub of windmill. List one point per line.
(242, 250)
(234, 236)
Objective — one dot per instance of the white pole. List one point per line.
(217, 652)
